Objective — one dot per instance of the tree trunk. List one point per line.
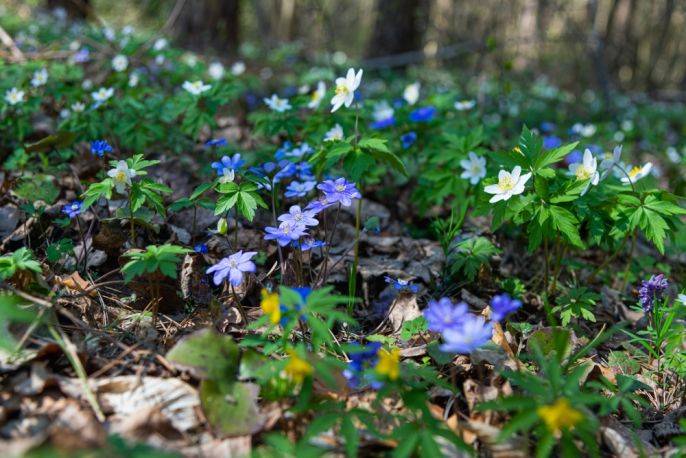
(206, 25)
(397, 29)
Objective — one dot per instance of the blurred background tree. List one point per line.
(624, 44)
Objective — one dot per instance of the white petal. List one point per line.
(492, 189)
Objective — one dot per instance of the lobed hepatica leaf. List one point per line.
(208, 355)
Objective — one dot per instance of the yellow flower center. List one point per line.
(634, 171)
(582, 173)
(120, 176)
(475, 168)
(340, 188)
(341, 89)
(506, 184)
(232, 263)
(517, 149)
(298, 216)
(286, 229)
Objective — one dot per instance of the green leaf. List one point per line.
(231, 407)
(564, 221)
(552, 156)
(208, 354)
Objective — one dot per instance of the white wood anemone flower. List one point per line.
(345, 89)
(586, 170)
(509, 184)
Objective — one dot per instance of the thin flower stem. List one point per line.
(85, 247)
(546, 262)
(278, 246)
(235, 237)
(239, 306)
(133, 233)
(608, 260)
(323, 271)
(352, 289)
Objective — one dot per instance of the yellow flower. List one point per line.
(297, 368)
(518, 150)
(270, 305)
(560, 415)
(389, 363)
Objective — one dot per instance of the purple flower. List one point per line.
(340, 190)
(408, 139)
(200, 248)
(574, 157)
(298, 189)
(285, 233)
(307, 244)
(651, 291)
(551, 141)
(304, 171)
(296, 216)
(100, 147)
(470, 334)
(424, 114)
(233, 268)
(383, 123)
(216, 142)
(230, 163)
(82, 55)
(299, 151)
(442, 315)
(547, 127)
(402, 285)
(322, 203)
(73, 209)
(284, 150)
(502, 305)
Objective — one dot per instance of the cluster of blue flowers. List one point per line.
(294, 225)
(462, 331)
(361, 359)
(100, 147)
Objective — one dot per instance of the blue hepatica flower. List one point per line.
(81, 56)
(100, 147)
(73, 209)
(424, 114)
(339, 190)
(502, 305)
(298, 189)
(402, 285)
(361, 359)
(307, 244)
(320, 204)
(547, 127)
(285, 233)
(408, 139)
(574, 157)
(471, 333)
(300, 151)
(297, 216)
(200, 248)
(551, 141)
(443, 314)
(282, 152)
(230, 163)
(233, 268)
(216, 142)
(383, 123)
